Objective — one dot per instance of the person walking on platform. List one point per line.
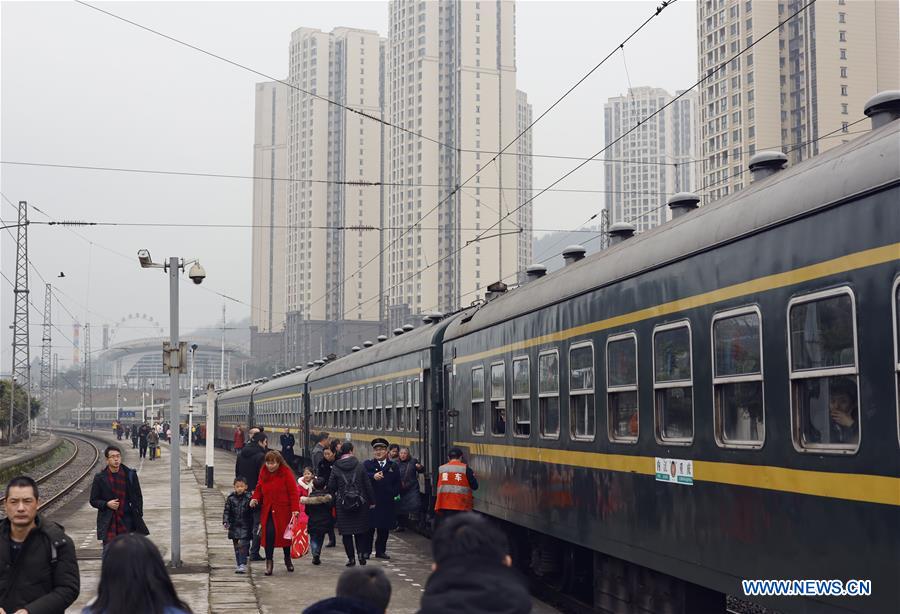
(410, 501)
(385, 476)
(456, 481)
(354, 495)
(323, 470)
(248, 464)
(116, 495)
(153, 442)
(40, 569)
(319, 448)
(134, 579)
(277, 495)
(317, 504)
(238, 439)
(287, 447)
(143, 435)
(238, 520)
(472, 571)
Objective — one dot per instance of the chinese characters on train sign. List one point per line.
(675, 470)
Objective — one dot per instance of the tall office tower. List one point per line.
(452, 78)
(806, 82)
(524, 183)
(269, 207)
(651, 162)
(333, 226)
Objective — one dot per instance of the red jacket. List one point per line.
(278, 494)
(238, 439)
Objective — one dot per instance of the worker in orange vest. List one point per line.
(456, 481)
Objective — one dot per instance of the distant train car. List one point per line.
(279, 404)
(233, 408)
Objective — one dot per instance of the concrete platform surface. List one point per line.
(24, 451)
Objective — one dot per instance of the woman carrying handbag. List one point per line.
(277, 493)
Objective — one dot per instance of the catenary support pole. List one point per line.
(174, 448)
(210, 433)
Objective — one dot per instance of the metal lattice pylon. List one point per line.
(46, 351)
(604, 229)
(87, 392)
(21, 360)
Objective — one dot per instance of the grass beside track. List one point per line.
(40, 465)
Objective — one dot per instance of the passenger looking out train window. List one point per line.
(823, 371)
(548, 393)
(498, 399)
(673, 384)
(622, 387)
(478, 400)
(521, 396)
(738, 378)
(581, 391)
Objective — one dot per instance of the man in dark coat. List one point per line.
(248, 464)
(321, 444)
(349, 478)
(143, 433)
(473, 571)
(116, 494)
(410, 501)
(37, 559)
(287, 447)
(385, 476)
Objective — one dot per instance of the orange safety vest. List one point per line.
(453, 489)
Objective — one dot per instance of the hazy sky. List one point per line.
(79, 87)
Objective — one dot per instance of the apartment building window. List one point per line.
(749, 95)
(843, 72)
(748, 6)
(842, 17)
(844, 110)
(842, 36)
(843, 90)
(844, 126)
(843, 54)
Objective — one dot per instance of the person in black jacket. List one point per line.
(116, 494)
(385, 476)
(248, 464)
(143, 433)
(318, 506)
(353, 495)
(473, 571)
(238, 520)
(323, 470)
(287, 448)
(39, 567)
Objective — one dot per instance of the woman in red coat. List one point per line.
(280, 498)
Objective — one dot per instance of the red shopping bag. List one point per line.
(299, 540)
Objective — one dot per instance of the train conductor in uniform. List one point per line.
(385, 476)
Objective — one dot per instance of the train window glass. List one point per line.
(581, 391)
(417, 386)
(379, 400)
(478, 400)
(548, 393)
(370, 407)
(738, 378)
(498, 398)
(521, 395)
(622, 388)
(824, 383)
(409, 403)
(673, 384)
(400, 400)
(389, 406)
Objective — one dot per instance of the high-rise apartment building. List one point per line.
(334, 220)
(796, 90)
(651, 162)
(524, 182)
(452, 78)
(269, 207)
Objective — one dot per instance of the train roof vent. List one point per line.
(407, 328)
(573, 254)
(398, 332)
(620, 231)
(319, 362)
(494, 290)
(535, 271)
(683, 202)
(355, 348)
(883, 108)
(381, 338)
(367, 344)
(310, 364)
(766, 163)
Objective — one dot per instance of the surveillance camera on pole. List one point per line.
(197, 273)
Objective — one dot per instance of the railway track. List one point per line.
(61, 480)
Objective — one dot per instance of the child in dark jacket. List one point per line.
(318, 508)
(238, 520)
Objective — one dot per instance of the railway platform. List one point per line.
(207, 581)
(23, 452)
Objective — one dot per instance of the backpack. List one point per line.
(350, 499)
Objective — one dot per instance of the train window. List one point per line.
(581, 391)
(388, 406)
(896, 302)
(379, 402)
(622, 388)
(824, 382)
(417, 385)
(521, 397)
(498, 398)
(478, 400)
(370, 407)
(673, 383)
(410, 391)
(548, 393)
(738, 378)
(400, 402)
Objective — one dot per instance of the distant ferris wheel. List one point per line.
(154, 328)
